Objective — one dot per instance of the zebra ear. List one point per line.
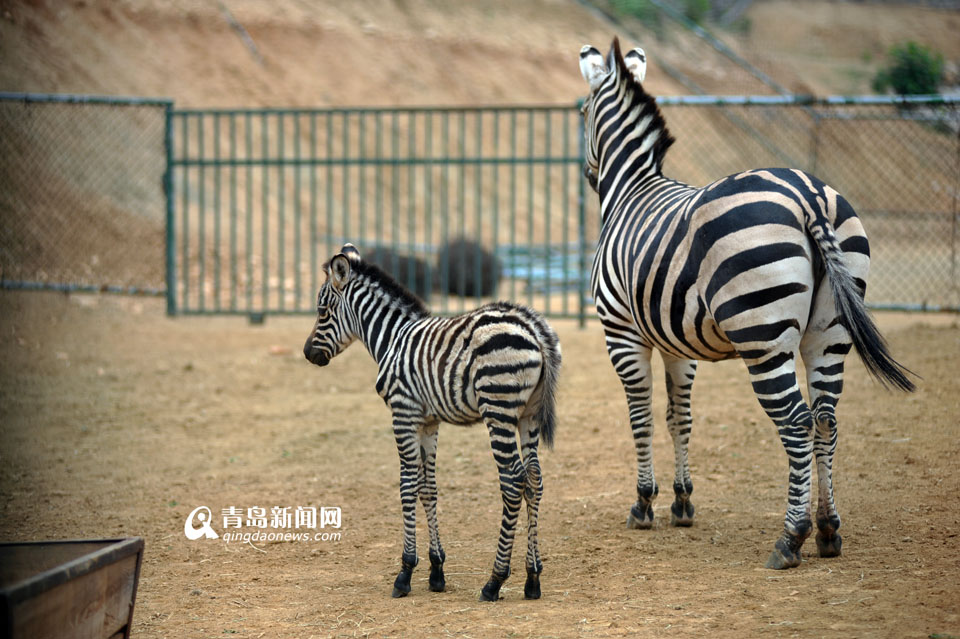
(351, 252)
(592, 66)
(636, 61)
(340, 270)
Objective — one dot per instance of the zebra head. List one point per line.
(332, 332)
(616, 82)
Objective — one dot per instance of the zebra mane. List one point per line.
(393, 289)
(634, 93)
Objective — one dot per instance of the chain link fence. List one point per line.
(257, 200)
(82, 203)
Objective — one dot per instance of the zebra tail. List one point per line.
(870, 344)
(546, 416)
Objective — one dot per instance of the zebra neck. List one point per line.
(380, 320)
(622, 180)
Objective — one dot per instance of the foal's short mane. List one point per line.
(388, 285)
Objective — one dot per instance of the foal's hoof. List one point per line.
(531, 589)
(640, 517)
(681, 514)
(829, 546)
(400, 592)
(491, 592)
(783, 557)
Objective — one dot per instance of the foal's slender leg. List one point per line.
(406, 431)
(679, 374)
(503, 441)
(533, 491)
(428, 497)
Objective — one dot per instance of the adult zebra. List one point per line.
(757, 265)
(498, 364)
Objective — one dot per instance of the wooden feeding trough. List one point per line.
(83, 588)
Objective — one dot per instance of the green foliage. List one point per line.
(696, 10)
(642, 10)
(913, 70)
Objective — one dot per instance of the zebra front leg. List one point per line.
(533, 491)
(679, 378)
(632, 363)
(503, 441)
(405, 430)
(428, 497)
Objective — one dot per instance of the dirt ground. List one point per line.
(115, 421)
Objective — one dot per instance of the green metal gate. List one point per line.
(259, 199)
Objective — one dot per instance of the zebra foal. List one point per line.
(498, 364)
(761, 265)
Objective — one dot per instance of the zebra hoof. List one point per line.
(829, 546)
(531, 589)
(783, 557)
(491, 592)
(437, 581)
(640, 518)
(681, 514)
(401, 587)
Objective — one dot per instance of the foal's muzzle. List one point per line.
(315, 355)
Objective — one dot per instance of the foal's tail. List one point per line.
(546, 416)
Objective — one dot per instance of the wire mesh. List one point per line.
(81, 192)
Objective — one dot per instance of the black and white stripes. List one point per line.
(497, 364)
(761, 265)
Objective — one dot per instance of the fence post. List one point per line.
(171, 252)
(581, 228)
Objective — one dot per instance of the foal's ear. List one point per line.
(350, 252)
(636, 61)
(340, 271)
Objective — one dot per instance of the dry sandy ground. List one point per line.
(115, 420)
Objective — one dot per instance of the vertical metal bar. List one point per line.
(362, 163)
(428, 193)
(394, 189)
(531, 124)
(411, 200)
(513, 203)
(202, 230)
(297, 235)
(378, 222)
(313, 205)
(462, 211)
(496, 199)
(445, 214)
(171, 233)
(345, 152)
(281, 212)
(547, 168)
(478, 206)
(233, 211)
(566, 213)
(265, 214)
(248, 235)
(185, 227)
(581, 230)
(217, 170)
(329, 234)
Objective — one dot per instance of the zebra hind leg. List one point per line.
(679, 378)
(427, 488)
(533, 491)
(503, 441)
(823, 353)
(632, 363)
(774, 380)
